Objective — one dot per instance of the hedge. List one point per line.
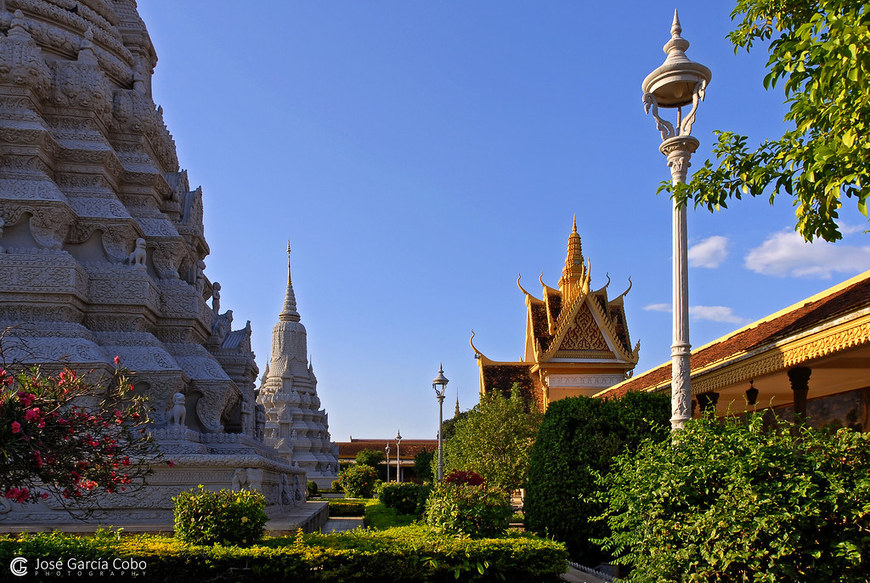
(346, 508)
(577, 440)
(405, 554)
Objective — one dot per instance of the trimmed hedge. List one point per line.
(405, 497)
(578, 440)
(227, 517)
(358, 481)
(406, 554)
(346, 508)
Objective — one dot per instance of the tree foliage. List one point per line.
(495, 440)
(358, 481)
(423, 465)
(820, 53)
(370, 457)
(75, 440)
(732, 501)
(577, 441)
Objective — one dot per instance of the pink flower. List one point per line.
(26, 399)
(117, 360)
(31, 414)
(170, 463)
(16, 427)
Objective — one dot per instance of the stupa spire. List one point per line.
(574, 260)
(288, 312)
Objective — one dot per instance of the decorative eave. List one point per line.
(844, 331)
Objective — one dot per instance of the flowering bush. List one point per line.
(204, 517)
(461, 477)
(75, 440)
(466, 509)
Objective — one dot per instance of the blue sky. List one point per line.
(419, 155)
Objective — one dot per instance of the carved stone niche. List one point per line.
(215, 397)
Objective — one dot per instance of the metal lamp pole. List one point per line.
(398, 456)
(678, 82)
(387, 451)
(440, 381)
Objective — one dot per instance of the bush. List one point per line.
(577, 440)
(313, 490)
(464, 509)
(336, 486)
(408, 554)
(358, 481)
(404, 496)
(346, 507)
(731, 501)
(225, 517)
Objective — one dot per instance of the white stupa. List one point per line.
(295, 424)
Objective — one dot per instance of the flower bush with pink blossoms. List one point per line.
(72, 439)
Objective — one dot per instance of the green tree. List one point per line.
(820, 52)
(423, 465)
(495, 440)
(577, 441)
(375, 459)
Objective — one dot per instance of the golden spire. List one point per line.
(574, 270)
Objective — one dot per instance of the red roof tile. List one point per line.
(762, 333)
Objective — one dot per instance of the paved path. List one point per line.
(576, 576)
(341, 524)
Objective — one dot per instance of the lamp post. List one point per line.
(677, 83)
(398, 456)
(387, 452)
(440, 381)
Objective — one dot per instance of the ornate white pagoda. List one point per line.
(296, 426)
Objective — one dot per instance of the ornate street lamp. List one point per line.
(387, 452)
(398, 456)
(440, 381)
(678, 82)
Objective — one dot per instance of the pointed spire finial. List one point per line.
(676, 29)
(456, 412)
(575, 222)
(289, 313)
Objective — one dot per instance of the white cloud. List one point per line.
(787, 254)
(715, 314)
(710, 252)
(711, 313)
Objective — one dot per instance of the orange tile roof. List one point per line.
(834, 302)
(409, 447)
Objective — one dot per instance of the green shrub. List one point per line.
(358, 481)
(577, 440)
(380, 517)
(346, 508)
(408, 554)
(732, 501)
(463, 509)
(226, 517)
(336, 486)
(404, 496)
(313, 490)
